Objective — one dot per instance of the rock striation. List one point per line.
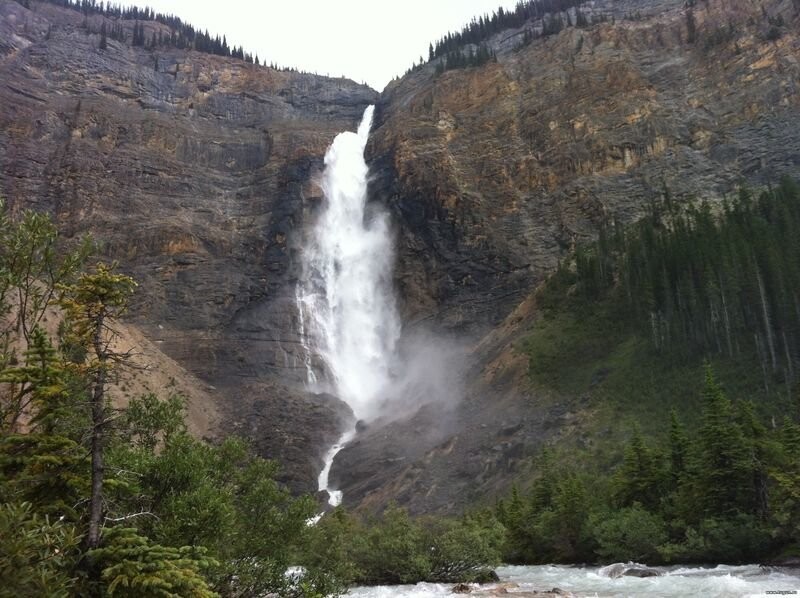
(495, 173)
(198, 173)
(194, 171)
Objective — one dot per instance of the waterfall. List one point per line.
(348, 317)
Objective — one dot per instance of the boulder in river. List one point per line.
(628, 569)
(641, 572)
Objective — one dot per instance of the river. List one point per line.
(722, 581)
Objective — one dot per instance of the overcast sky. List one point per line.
(365, 40)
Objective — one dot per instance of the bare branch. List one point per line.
(131, 516)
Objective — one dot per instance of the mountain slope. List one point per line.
(495, 173)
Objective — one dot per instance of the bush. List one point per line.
(739, 539)
(393, 550)
(631, 534)
(466, 549)
(36, 554)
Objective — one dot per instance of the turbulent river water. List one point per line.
(674, 582)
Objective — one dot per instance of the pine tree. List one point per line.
(678, 449)
(132, 566)
(640, 478)
(43, 466)
(723, 469)
(91, 304)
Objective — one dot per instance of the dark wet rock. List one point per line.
(618, 570)
(461, 588)
(487, 576)
(641, 572)
(784, 562)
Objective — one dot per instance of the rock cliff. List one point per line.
(193, 171)
(494, 173)
(197, 173)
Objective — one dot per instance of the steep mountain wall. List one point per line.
(194, 171)
(197, 173)
(495, 173)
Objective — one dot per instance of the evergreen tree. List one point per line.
(43, 466)
(678, 449)
(640, 478)
(724, 470)
(91, 304)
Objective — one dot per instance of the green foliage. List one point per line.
(133, 566)
(465, 549)
(726, 493)
(552, 521)
(627, 324)
(393, 550)
(630, 534)
(723, 474)
(640, 479)
(95, 295)
(221, 497)
(37, 554)
(461, 60)
(149, 419)
(740, 538)
(333, 545)
(180, 34)
(695, 285)
(207, 517)
(45, 466)
(32, 266)
(548, 13)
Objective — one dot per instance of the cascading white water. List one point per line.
(347, 309)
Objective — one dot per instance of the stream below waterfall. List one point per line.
(722, 581)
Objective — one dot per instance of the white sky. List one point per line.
(365, 40)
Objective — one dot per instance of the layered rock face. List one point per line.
(194, 171)
(495, 173)
(197, 173)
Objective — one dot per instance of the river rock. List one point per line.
(641, 572)
(617, 570)
(785, 562)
